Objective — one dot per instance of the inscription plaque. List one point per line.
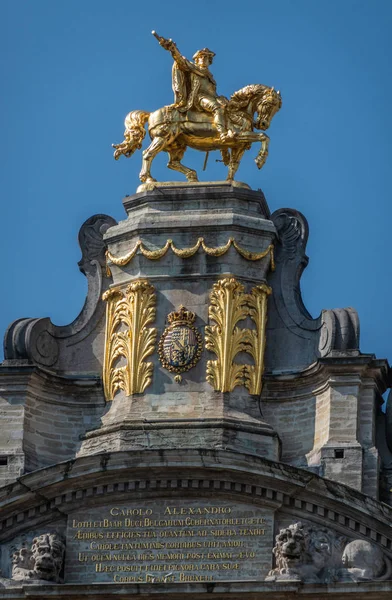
(169, 541)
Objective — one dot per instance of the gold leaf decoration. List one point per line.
(219, 250)
(225, 339)
(257, 303)
(121, 261)
(229, 305)
(128, 337)
(186, 252)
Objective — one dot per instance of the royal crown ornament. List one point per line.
(182, 315)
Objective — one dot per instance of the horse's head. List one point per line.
(268, 104)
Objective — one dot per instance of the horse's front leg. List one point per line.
(252, 136)
(148, 156)
(160, 141)
(263, 152)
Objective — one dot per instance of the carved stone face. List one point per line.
(48, 553)
(290, 545)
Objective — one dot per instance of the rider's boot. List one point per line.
(225, 134)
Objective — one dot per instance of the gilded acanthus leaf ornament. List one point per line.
(200, 118)
(229, 304)
(224, 338)
(129, 339)
(257, 304)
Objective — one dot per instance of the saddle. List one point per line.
(170, 114)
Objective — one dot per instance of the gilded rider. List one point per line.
(195, 87)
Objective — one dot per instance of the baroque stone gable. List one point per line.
(194, 430)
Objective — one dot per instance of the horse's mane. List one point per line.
(241, 98)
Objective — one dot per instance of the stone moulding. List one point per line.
(121, 261)
(128, 337)
(229, 305)
(119, 476)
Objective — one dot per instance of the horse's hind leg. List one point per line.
(235, 159)
(176, 152)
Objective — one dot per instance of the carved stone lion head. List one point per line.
(290, 547)
(48, 555)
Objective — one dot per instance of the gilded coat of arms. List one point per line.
(181, 344)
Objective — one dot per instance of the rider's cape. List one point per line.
(186, 86)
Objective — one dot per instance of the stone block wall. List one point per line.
(52, 431)
(42, 418)
(327, 420)
(12, 394)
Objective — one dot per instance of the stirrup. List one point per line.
(226, 136)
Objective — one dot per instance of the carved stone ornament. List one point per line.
(128, 337)
(366, 561)
(307, 553)
(290, 554)
(229, 305)
(43, 560)
(319, 555)
(181, 344)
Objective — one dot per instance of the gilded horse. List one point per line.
(173, 131)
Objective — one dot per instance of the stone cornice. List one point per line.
(48, 386)
(350, 370)
(52, 493)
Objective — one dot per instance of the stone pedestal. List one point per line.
(182, 240)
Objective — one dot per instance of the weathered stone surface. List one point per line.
(43, 561)
(167, 540)
(308, 553)
(365, 561)
(333, 332)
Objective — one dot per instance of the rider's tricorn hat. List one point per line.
(204, 52)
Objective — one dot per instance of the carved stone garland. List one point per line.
(229, 305)
(128, 314)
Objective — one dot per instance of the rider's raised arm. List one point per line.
(171, 46)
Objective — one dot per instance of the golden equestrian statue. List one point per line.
(201, 119)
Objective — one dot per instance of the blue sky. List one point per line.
(71, 70)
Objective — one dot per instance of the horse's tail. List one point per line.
(133, 135)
